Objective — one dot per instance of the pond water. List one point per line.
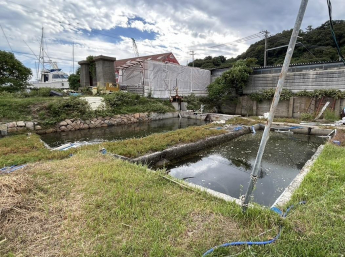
(226, 168)
(119, 132)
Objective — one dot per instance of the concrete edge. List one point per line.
(285, 197)
(179, 151)
(216, 194)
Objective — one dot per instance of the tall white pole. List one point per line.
(265, 136)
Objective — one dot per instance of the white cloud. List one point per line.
(180, 25)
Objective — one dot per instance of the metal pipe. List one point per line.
(265, 136)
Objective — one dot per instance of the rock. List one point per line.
(104, 125)
(70, 127)
(38, 127)
(143, 115)
(92, 125)
(63, 128)
(69, 122)
(48, 131)
(30, 125)
(88, 122)
(20, 124)
(63, 123)
(11, 125)
(137, 115)
(3, 129)
(10, 130)
(85, 126)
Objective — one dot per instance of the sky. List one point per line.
(179, 26)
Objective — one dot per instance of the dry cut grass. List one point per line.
(93, 205)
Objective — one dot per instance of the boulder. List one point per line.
(20, 124)
(11, 125)
(30, 125)
(63, 123)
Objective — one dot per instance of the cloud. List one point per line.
(105, 27)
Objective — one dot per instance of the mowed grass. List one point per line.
(316, 228)
(21, 149)
(157, 142)
(94, 205)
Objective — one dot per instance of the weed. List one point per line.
(330, 115)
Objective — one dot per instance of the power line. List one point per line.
(24, 53)
(6, 38)
(332, 30)
(257, 35)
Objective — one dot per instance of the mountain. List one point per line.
(315, 45)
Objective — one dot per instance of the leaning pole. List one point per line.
(265, 136)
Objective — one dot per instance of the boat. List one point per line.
(49, 78)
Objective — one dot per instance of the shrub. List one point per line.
(330, 115)
(307, 116)
(120, 98)
(72, 107)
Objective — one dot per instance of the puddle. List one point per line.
(227, 168)
(119, 132)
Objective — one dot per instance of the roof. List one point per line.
(166, 57)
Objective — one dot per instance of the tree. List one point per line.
(74, 80)
(231, 83)
(14, 75)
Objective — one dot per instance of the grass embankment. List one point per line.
(50, 110)
(94, 205)
(16, 109)
(22, 149)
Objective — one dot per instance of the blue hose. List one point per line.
(255, 243)
(11, 169)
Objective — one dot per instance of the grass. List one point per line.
(157, 142)
(94, 205)
(20, 149)
(16, 109)
(48, 110)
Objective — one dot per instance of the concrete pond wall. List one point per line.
(292, 108)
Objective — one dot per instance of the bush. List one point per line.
(120, 98)
(307, 116)
(330, 115)
(70, 108)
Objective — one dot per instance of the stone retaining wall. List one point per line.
(79, 124)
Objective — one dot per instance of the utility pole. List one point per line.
(73, 56)
(265, 54)
(265, 136)
(192, 54)
(191, 72)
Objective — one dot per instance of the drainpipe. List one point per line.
(265, 136)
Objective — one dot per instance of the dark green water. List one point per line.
(120, 132)
(227, 167)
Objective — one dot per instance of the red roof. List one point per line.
(166, 57)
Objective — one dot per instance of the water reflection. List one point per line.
(119, 132)
(226, 168)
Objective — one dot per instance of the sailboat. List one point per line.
(52, 77)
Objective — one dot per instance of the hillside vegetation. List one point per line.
(316, 44)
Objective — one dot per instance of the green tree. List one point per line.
(231, 83)
(74, 80)
(14, 75)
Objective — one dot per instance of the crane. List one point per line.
(135, 48)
